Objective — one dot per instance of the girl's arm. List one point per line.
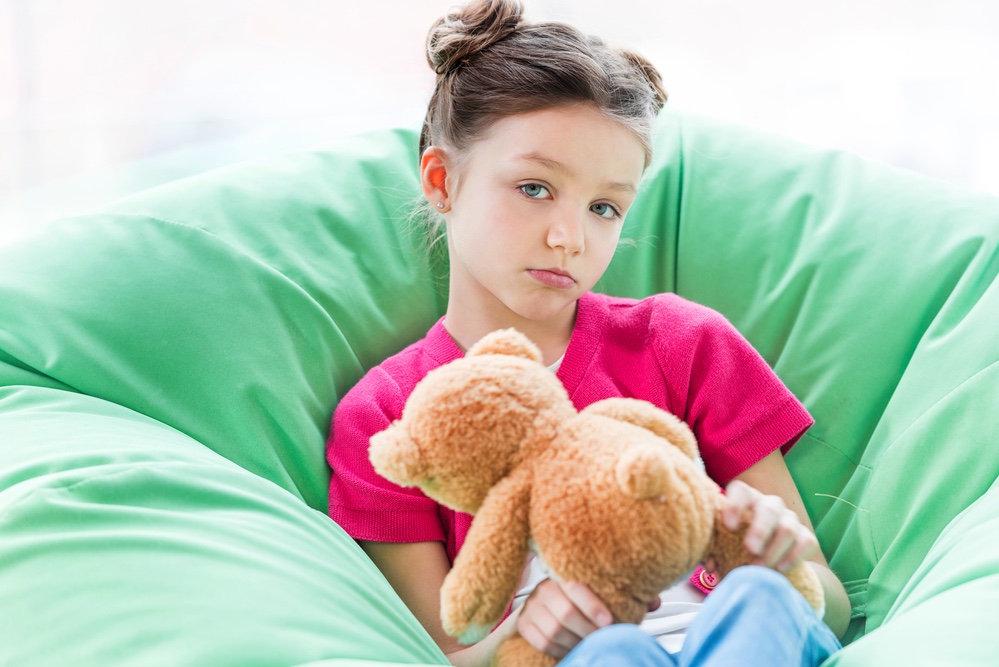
(552, 619)
(781, 533)
(416, 571)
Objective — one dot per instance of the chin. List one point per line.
(546, 307)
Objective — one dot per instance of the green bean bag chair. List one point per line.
(169, 366)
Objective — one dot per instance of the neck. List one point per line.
(466, 326)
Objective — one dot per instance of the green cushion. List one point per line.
(941, 616)
(168, 368)
(872, 291)
(127, 542)
(235, 306)
(167, 374)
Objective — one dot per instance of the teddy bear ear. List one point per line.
(644, 472)
(506, 341)
(396, 456)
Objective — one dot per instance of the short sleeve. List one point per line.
(362, 502)
(738, 408)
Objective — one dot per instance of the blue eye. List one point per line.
(534, 190)
(605, 211)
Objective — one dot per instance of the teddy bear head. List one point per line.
(469, 422)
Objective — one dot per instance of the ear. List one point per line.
(396, 457)
(644, 472)
(434, 177)
(506, 341)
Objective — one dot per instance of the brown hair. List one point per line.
(491, 63)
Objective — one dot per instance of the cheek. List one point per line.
(479, 239)
(503, 229)
(604, 242)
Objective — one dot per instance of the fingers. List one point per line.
(543, 631)
(739, 497)
(775, 535)
(595, 611)
(806, 546)
(710, 565)
(789, 544)
(557, 615)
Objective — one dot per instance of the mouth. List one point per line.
(553, 277)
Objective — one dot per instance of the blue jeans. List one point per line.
(753, 617)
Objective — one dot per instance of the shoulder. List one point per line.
(678, 334)
(386, 386)
(682, 315)
(664, 316)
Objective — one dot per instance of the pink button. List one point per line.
(708, 580)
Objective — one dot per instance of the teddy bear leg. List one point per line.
(516, 652)
(807, 582)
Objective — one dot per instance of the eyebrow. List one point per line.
(564, 169)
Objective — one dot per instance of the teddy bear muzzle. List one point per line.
(396, 456)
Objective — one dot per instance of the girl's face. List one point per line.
(538, 211)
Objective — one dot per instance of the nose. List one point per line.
(566, 232)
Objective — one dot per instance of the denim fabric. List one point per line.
(754, 617)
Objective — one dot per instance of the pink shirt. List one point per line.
(675, 354)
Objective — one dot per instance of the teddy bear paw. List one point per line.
(474, 634)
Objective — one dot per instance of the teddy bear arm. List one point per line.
(729, 552)
(488, 568)
(727, 548)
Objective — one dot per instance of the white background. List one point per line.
(100, 97)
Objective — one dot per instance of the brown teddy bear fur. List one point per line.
(609, 496)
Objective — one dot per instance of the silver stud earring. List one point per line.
(440, 205)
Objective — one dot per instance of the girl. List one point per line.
(532, 151)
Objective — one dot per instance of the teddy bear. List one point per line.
(609, 496)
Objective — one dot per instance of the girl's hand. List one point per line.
(557, 615)
(776, 535)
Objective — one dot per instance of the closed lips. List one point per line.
(553, 278)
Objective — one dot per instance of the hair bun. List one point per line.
(469, 29)
(651, 74)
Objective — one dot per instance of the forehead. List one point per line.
(578, 137)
